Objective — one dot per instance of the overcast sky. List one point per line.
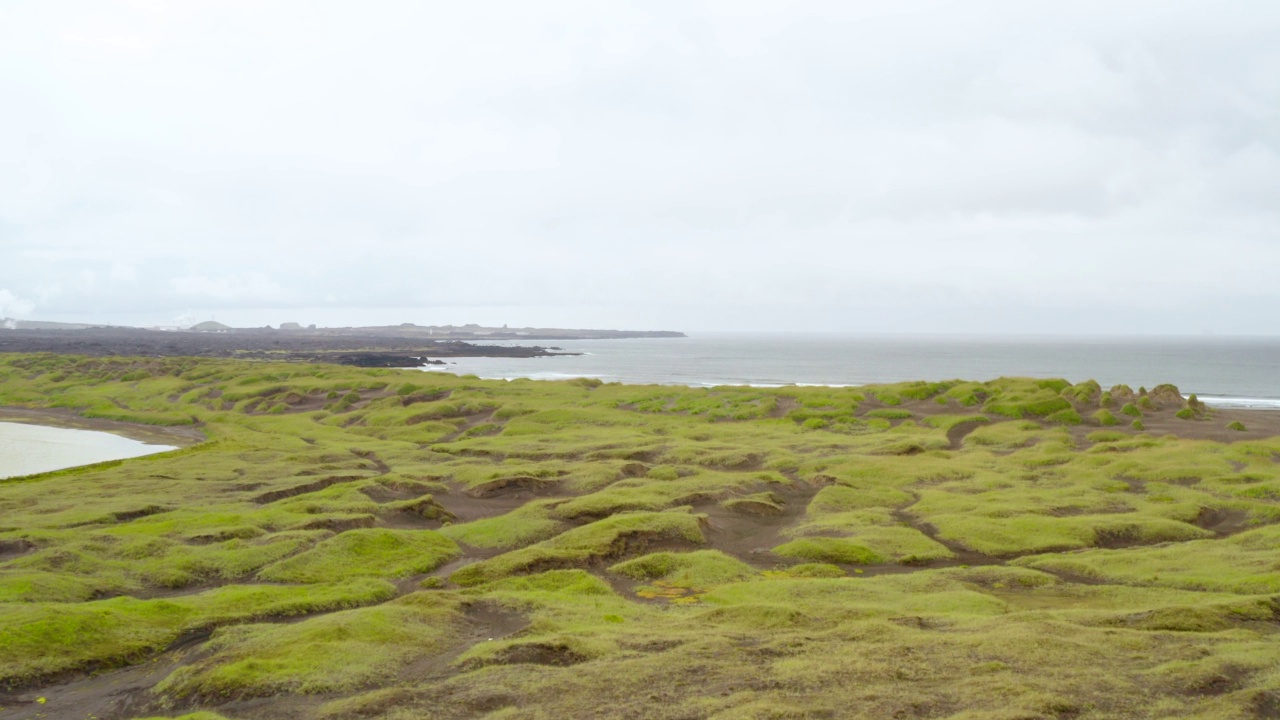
(914, 166)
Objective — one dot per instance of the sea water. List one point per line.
(1225, 372)
(27, 449)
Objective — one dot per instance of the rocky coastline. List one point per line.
(352, 346)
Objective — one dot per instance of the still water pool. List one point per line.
(27, 449)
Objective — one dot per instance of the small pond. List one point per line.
(27, 449)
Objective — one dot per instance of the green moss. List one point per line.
(603, 582)
(829, 550)
(336, 652)
(598, 540)
(1131, 410)
(663, 472)
(41, 639)
(1106, 436)
(527, 524)
(843, 498)
(1064, 417)
(1105, 418)
(1235, 425)
(1239, 564)
(1083, 393)
(701, 569)
(946, 422)
(371, 552)
(815, 570)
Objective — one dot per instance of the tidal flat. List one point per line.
(375, 543)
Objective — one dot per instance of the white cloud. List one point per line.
(675, 163)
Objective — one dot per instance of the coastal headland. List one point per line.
(377, 543)
(405, 345)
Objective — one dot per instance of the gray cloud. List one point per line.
(922, 165)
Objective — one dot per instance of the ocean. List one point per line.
(1222, 371)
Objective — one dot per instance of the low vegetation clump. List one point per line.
(386, 544)
(372, 552)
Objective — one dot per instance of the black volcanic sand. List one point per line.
(349, 347)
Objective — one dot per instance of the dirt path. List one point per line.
(469, 422)
(957, 433)
(751, 537)
(115, 695)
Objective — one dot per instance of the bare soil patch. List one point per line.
(1222, 522)
(522, 486)
(297, 490)
(534, 653)
(751, 537)
(957, 433)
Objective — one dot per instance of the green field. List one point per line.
(395, 544)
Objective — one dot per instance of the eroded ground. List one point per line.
(384, 544)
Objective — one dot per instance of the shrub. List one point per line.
(1105, 418)
(1235, 425)
(1137, 425)
(1131, 409)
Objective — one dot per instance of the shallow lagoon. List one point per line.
(27, 449)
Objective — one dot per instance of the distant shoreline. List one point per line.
(1231, 374)
(405, 346)
(1234, 404)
